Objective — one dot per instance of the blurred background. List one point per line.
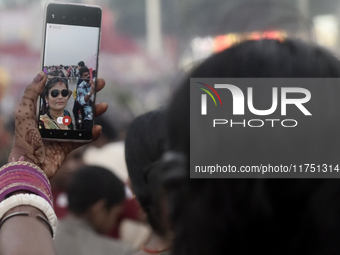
(147, 45)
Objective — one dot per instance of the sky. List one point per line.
(67, 45)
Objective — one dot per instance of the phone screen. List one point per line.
(70, 60)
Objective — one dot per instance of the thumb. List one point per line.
(29, 99)
(36, 87)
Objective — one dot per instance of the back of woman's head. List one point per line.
(247, 215)
(144, 146)
(251, 59)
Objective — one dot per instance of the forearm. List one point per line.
(25, 234)
(28, 221)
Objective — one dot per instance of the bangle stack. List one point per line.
(25, 176)
(22, 175)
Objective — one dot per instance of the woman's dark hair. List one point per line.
(243, 216)
(144, 146)
(252, 59)
(51, 83)
(91, 184)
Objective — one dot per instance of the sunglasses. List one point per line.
(55, 92)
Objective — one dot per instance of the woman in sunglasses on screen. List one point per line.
(56, 95)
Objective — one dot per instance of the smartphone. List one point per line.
(70, 61)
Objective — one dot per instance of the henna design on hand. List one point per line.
(47, 155)
(33, 138)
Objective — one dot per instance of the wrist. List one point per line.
(23, 208)
(15, 156)
(28, 211)
(28, 205)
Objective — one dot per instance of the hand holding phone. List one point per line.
(70, 55)
(48, 155)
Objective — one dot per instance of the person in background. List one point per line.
(55, 74)
(100, 153)
(75, 160)
(62, 179)
(95, 198)
(144, 146)
(80, 65)
(84, 100)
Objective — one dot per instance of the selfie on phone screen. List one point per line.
(70, 62)
(68, 96)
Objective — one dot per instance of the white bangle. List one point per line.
(32, 200)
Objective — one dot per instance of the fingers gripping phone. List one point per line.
(70, 61)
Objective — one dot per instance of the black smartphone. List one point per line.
(70, 61)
